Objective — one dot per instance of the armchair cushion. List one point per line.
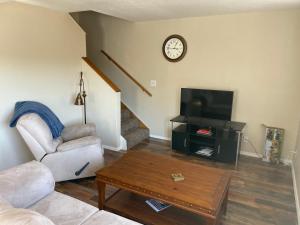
(26, 184)
(78, 131)
(79, 143)
(14, 216)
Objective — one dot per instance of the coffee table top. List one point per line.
(149, 174)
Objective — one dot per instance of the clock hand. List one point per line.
(174, 48)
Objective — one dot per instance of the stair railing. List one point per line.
(126, 73)
(101, 74)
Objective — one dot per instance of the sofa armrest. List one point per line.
(79, 143)
(26, 184)
(78, 131)
(16, 216)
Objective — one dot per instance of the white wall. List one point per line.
(104, 108)
(254, 54)
(40, 59)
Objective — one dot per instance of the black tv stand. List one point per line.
(223, 143)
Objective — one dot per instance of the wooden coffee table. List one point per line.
(200, 199)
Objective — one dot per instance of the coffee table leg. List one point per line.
(210, 221)
(101, 194)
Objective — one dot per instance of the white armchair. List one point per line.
(76, 154)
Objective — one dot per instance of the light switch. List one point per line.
(152, 83)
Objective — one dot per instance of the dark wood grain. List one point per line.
(126, 73)
(260, 193)
(101, 194)
(202, 191)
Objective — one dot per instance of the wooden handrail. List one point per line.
(101, 74)
(126, 73)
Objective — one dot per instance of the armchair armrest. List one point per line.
(26, 184)
(78, 131)
(79, 143)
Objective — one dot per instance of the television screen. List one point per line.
(212, 104)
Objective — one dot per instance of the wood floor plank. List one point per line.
(260, 193)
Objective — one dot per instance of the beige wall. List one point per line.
(254, 54)
(104, 108)
(40, 59)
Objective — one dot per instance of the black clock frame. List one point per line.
(184, 47)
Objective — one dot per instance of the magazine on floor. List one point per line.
(156, 205)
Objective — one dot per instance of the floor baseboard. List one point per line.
(255, 155)
(160, 137)
(296, 192)
(251, 154)
(112, 148)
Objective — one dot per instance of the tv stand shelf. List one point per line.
(222, 144)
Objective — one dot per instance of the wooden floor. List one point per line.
(260, 194)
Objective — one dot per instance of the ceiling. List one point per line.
(143, 10)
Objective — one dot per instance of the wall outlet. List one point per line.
(152, 83)
(245, 139)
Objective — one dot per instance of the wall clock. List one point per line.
(174, 48)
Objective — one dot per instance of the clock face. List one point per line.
(174, 48)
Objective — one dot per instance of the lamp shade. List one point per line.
(79, 100)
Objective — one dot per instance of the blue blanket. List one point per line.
(22, 108)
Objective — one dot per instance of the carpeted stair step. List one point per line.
(136, 136)
(128, 125)
(131, 128)
(125, 114)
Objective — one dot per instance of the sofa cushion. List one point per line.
(79, 143)
(4, 205)
(14, 216)
(104, 218)
(64, 210)
(26, 184)
(39, 131)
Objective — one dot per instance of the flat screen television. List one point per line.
(213, 104)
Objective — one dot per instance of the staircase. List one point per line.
(132, 129)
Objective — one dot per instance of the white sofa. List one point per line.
(67, 155)
(27, 197)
